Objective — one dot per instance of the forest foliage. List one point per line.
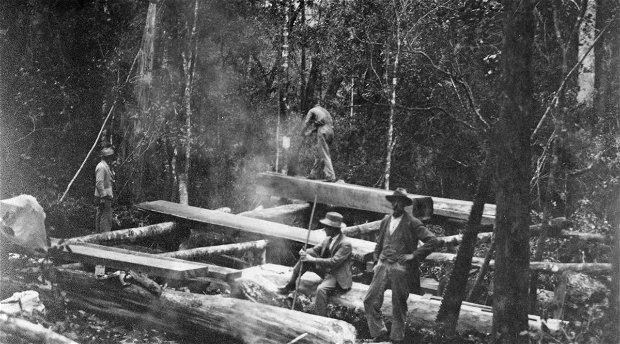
(218, 83)
(65, 64)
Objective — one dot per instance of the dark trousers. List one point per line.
(103, 219)
(326, 288)
(323, 160)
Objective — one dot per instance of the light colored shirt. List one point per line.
(104, 177)
(394, 222)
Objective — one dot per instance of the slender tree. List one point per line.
(457, 286)
(511, 151)
(184, 143)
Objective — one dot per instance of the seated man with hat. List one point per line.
(331, 260)
(397, 258)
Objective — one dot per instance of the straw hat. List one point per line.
(332, 219)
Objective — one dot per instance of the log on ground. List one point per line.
(422, 309)
(199, 315)
(210, 251)
(34, 333)
(123, 235)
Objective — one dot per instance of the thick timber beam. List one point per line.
(200, 316)
(290, 214)
(147, 263)
(361, 248)
(358, 197)
(422, 310)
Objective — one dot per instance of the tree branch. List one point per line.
(556, 97)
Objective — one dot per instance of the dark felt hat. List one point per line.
(400, 193)
(332, 219)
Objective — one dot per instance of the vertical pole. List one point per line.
(301, 263)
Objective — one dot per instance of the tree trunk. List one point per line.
(189, 65)
(205, 252)
(586, 70)
(615, 287)
(123, 235)
(512, 175)
(457, 286)
(303, 100)
(200, 316)
(483, 270)
(261, 282)
(135, 145)
(390, 133)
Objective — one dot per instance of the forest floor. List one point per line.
(86, 327)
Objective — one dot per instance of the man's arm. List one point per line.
(308, 127)
(421, 233)
(342, 255)
(380, 238)
(99, 180)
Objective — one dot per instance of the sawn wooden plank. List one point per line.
(150, 264)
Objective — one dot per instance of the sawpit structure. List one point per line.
(252, 289)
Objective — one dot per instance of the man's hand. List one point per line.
(404, 258)
(305, 257)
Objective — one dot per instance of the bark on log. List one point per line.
(575, 267)
(545, 267)
(201, 315)
(558, 229)
(422, 309)
(202, 252)
(32, 332)
(126, 235)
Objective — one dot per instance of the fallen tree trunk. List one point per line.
(210, 251)
(422, 309)
(29, 331)
(200, 316)
(575, 267)
(126, 235)
(558, 230)
(545, 267)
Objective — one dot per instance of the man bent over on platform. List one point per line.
(331, 260)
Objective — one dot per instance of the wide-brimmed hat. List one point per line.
(106, 152)
(400, 193)
(332, 219)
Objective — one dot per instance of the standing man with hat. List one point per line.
(397, 259)
(331, 260)
(104, 178)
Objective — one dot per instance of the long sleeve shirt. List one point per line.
(103, 180)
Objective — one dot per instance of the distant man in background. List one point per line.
(331, 260)
(319, 122)
(104, 178)
(397, 259)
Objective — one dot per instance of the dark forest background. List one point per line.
(429, 69)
